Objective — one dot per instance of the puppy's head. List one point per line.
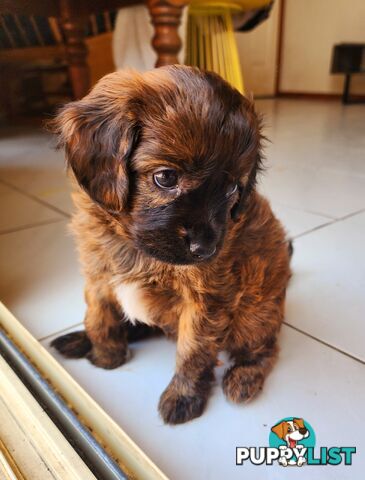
(172, 154)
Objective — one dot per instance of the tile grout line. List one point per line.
(35, 198)
(314, 229)
(325, 343)
(31, 225)
(349, 215)
(42, 339)
(323, 225)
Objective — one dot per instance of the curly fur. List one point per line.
(130, 232)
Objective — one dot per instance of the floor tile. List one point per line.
(326, 296)
(311, 381)
(31, 164)
(18, 211)
(39, 278)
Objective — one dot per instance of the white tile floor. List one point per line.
(316, 182)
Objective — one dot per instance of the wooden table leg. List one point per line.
(166, 18)
(74, 27)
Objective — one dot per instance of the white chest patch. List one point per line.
(130, 297)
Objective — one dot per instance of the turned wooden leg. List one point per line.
(74, 25)
(166, 18)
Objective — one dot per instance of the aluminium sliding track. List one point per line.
(93, 454)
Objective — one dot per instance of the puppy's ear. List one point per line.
(251, 126)
(99, 134)
(279, 429)
(245, 188)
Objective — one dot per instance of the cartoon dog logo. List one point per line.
(292, 432)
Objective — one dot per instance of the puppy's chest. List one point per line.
(149, 304)
(132, 300)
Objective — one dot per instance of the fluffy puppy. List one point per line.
(171, 231)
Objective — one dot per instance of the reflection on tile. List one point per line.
(24, 144)
(325, 193)
(316, 156)
(49, 185)
(18, 211)
(311, 381)
(39, 278)
(320, 135)
(326, 297)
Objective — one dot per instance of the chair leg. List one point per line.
(73, 25)
(166, 18)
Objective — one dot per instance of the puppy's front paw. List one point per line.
(176, 408)
(241, 384)
(108, 359)
(72, 345)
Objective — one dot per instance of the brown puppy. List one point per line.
(171, 231)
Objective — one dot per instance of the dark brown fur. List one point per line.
(130, 232)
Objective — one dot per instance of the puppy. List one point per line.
(172, 234)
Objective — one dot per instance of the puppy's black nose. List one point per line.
(202, 251)
(202, 240)
(303, 431)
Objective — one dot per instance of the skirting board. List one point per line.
(316, 96)
(110, 435)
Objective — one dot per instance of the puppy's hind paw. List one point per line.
(242, 383)
(72, 345)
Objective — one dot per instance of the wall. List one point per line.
(311, 28)
(258, 50)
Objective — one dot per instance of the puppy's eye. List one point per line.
(232, 190)
(166, 179)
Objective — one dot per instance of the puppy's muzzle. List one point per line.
(202, 242)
